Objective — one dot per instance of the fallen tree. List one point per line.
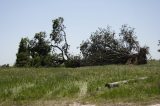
(104, 47)
(118, 83)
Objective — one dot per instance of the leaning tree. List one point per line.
(59, 40)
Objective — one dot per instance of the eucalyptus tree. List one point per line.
(59, 40)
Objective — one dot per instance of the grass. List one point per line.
(27, 85)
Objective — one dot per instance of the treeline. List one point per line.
(4, 66)
(103, 47)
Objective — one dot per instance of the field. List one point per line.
(85, 85)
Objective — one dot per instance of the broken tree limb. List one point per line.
(118, 83)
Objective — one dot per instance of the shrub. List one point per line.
(73, 62)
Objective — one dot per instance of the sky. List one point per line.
(24, 18)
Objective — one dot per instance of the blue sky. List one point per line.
(24, 18)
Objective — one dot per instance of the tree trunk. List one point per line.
(118, 83)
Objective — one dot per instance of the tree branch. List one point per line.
(60, 50)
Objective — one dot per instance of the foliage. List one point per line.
(99, 47)
(58, 36)
(40, 50)
(128, 39)
(73, 61)
(104, 47)
(39, 46)
(23, 55)
(142, 58)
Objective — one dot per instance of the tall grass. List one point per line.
(83, 84)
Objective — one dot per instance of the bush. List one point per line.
(73, 62)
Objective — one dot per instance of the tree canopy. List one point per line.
(104, 47)
(40, 50)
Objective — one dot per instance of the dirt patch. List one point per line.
(83, 89)
(78, 104)
(55, 103)
(155, 105)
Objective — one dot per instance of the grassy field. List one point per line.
(21, 86)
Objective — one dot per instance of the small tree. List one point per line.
(58, 36)
(23, 56)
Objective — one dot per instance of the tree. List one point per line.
(23, 56)
(40, 50)
(142, 55)
(39, 45)
(58, 36)
(104, 47)
(129, 39)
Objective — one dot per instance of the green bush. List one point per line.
(73, 62)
